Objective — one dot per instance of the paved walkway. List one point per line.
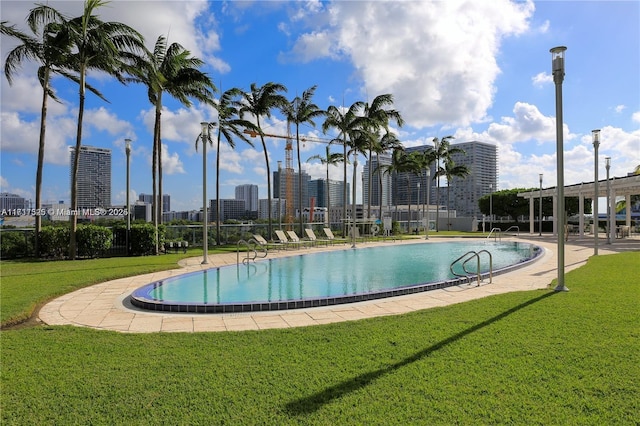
(105, 306)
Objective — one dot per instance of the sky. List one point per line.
(474, 69)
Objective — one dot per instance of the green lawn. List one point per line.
(537, 357)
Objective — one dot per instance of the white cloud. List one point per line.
(171, 163)
(636, 116)
(414, 61)
(541, 79)
(619, 108)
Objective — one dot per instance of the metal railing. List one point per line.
(497, 234)
(251, 250)
(468, 256)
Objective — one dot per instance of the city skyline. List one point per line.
(495, 88)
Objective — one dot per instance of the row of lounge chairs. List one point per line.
(291, 240)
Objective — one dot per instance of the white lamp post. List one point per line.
(127, 150)
(595, 135)
(540, 210)
(418, 215)
(490, 208)
(204, 136)
(280, 195)
(353, 202)
(557, 67)
(607, 164)
(426, 231)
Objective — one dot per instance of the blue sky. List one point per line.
(477, 70)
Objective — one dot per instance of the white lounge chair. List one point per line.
(312, 237)
(293, 237)
(260, 239)
(282, 238)
(332, 238)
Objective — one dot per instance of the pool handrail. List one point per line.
(498, 234)
(252, 253)
(467, 257)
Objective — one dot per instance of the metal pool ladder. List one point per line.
(252, 253)
(465, 258)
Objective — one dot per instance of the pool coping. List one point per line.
(105, 306)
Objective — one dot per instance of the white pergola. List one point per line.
(619, 186)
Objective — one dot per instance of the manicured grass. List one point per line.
(536, 357)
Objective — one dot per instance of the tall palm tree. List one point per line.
(259, 102)
(302, 110)
(359, 143)
(376, 117)
(344, 121)
(442, 151)
(50, 48)
(449, 171)
(388, 142)
(230, 126)
(171, 70)
(103, 46)
(330, 159)
(400, 163)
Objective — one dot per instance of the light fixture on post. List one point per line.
(418, 215)
(426, 231)
(279, 194)
(557, 67)
(204, 137)
(490, 208)
(353, 202)
(607, 164)
(595, 135)
(127, 150)
(540, 210)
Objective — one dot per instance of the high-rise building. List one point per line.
(248, 193)
(229, 209)
(280, 189)
(381, 182)
(12, 203)
(148, 198)
(318, 190)
(94, 177)
(463, 193)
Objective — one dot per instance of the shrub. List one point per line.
(93, 240)
(54, 241)
(142, 238)
(16, 244)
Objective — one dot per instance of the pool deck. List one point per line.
(104, 306)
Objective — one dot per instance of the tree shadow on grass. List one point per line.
(312, 403)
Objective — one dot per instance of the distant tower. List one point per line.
(94, 177)
(248, 193)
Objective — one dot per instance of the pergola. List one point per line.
(619, 186)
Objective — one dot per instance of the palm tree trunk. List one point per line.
(369, 189)
(266, 160)
(344, 189)
(73, 219)
(299, 181)
(43, 120)
(218, 190)
(154, 172)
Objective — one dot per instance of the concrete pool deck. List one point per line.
(104, 306)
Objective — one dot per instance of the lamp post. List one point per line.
(353, 202)
(418, 215)
(426, 231)
(127, 150)
(279, 194)
(595, 135)
(490, 208)
(204, 136)
(540, 210)
(557, 67)
(607, 164)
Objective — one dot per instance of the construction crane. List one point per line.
(288, 155)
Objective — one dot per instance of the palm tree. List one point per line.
(230, 125)
(400, 163)
(302, 110)
(104, 46)
(174, 71)
(344, 121)
(359, 143)
(442, 151)
(330, 159)
(375, 118)
(451, 170)
(50, 48)
(388, 142)
(259, 102)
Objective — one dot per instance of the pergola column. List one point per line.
(531, 213)
(581, 213)
(555, 214)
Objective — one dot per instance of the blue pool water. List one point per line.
(327, 278)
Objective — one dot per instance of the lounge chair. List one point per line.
(282, 238)
(312, 237)
(332, 238)
(293, 237)
(260, 239)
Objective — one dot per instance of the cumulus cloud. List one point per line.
(414, 61)
(636, 116)
(542, 79)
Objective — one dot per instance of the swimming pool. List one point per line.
(326, 278)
